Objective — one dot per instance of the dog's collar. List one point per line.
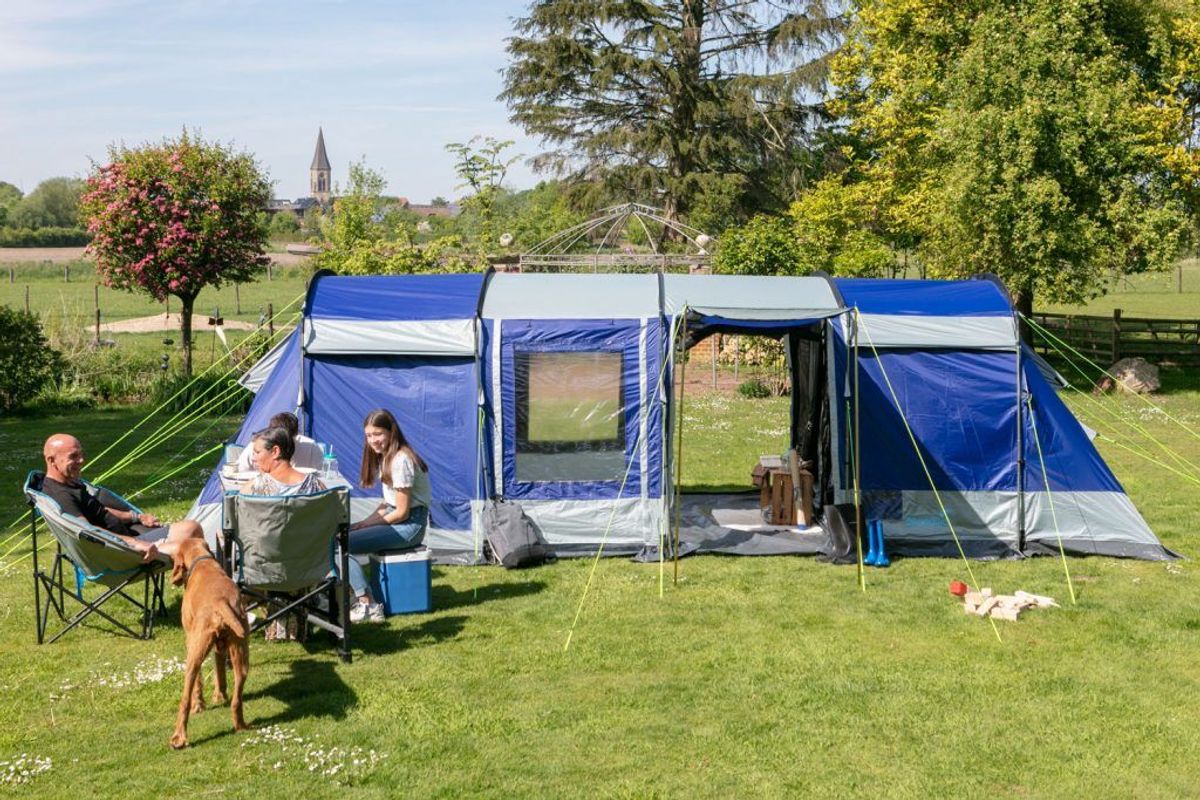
(204, 557)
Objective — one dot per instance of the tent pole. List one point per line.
(1020, 453)
(679, 440)
(858, 511)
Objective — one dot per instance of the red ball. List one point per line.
(958, 588)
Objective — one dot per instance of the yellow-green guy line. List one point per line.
(1048, 335)
(1050, 498)
(612, 514)
(1119, 431)
(928, 476)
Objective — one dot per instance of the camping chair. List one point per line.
(280, 552)
(96, 555)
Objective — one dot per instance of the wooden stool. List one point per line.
(777, 494)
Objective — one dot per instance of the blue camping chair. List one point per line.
(280, 551)
(96, 556)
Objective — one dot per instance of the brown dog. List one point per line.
(213, 619)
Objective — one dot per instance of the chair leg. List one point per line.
(344, 605)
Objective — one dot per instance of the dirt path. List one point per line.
(166, 323)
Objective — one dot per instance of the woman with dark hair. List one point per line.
(307, 452)
(400, 520)
(273, 449)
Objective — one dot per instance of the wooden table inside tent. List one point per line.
(778, 495)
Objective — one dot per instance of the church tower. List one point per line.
(318, 174)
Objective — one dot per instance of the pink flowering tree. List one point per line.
(174, 217)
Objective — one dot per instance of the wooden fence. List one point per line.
(1107, 340)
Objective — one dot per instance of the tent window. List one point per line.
(570, 423)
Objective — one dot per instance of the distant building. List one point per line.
(320, 185)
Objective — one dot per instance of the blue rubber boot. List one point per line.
(881, 559)
(872, 550)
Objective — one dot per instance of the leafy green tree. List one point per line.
(174, 217)
(766, 245)
(9, 197)
(482, 169)
(284, 225)
(672, 100)
(1044, 141)
(27, 362)
(54, 203)
(361, 238)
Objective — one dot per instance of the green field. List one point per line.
(772, 677)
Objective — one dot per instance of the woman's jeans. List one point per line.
(401, 536)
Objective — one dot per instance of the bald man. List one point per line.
(64, 462)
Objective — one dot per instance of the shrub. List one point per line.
(27, 362)
(43, 237)
(754, 388)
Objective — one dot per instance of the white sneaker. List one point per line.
(367, 612)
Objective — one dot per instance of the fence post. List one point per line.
(715, 342)
(271, 320)
(27, 298)
(237, 296)
(66, 273)
(1116, 335)
(12, 274)
(97, 325)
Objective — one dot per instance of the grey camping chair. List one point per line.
(96, 556)
(280, 551)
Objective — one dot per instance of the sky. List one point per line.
(391, 82)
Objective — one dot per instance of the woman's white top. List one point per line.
(407, 475)
(262, 483)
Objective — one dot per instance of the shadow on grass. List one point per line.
(313, 689)
(446, 597)
(386, 639)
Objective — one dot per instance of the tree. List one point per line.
(360, 239)
(54, 203)
(482, 170)
(284, 225)
(1040, 140)
(673, 100)
(174, 217)
(9, 197)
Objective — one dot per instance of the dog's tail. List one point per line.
(234, 619)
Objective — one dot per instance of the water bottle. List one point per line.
(330, 465)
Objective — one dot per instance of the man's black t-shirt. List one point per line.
(77, 501)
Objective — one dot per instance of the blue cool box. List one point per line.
(402, 582)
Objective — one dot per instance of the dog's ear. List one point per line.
(179, 568)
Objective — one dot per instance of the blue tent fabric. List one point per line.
(433, 400)
(1072, 462)
(972, 298)
(566, 336)
(392, 297)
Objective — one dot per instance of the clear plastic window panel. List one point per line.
(570, 422)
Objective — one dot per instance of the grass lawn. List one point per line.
(769, 677)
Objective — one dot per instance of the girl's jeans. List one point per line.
(401, 536)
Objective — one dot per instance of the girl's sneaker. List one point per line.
(367, 612)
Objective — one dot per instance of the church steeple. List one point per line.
(319, 173)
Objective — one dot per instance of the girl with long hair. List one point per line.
(400, 521)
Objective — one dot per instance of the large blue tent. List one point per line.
(914, 401)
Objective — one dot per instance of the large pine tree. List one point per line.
(683, 103)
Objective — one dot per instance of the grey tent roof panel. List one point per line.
(571, 296)
(756, 297)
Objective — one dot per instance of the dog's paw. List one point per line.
(179, 741)
(197, 705)
(219, 699)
